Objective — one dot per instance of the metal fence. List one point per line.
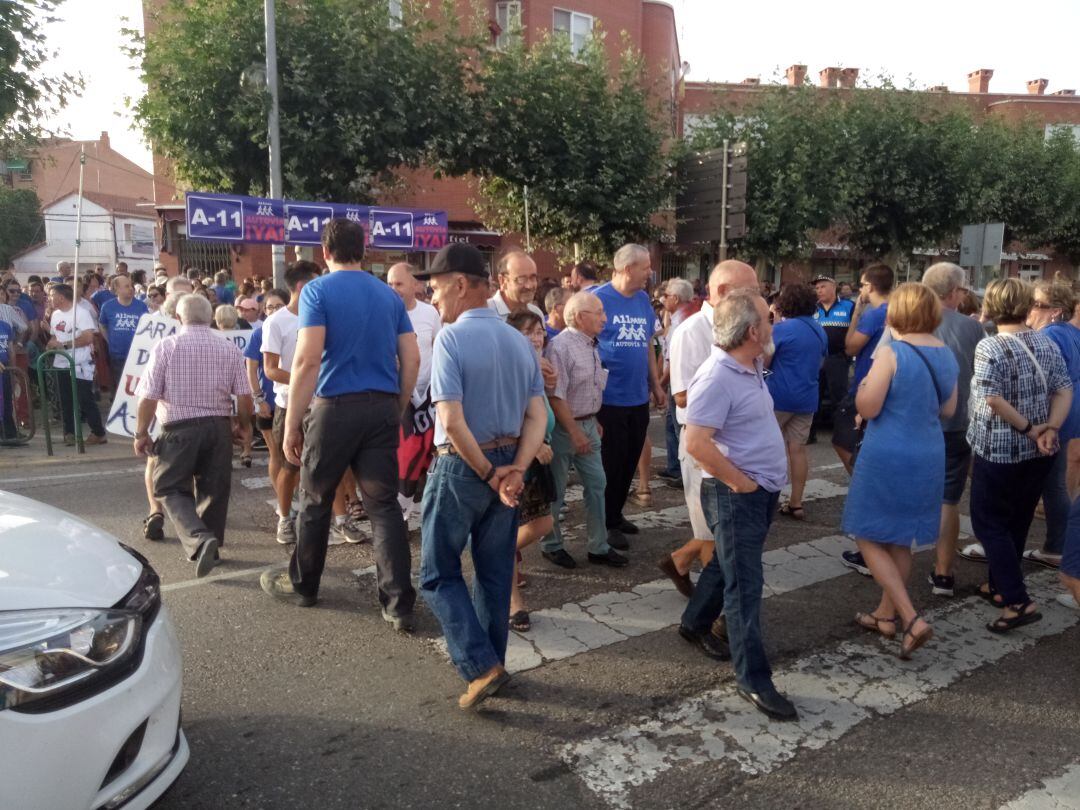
(206, 256)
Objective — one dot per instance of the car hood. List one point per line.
(49, 558)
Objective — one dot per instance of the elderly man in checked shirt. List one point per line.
(189, 384)
(575, 399)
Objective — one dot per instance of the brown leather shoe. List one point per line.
(682, 581)
(92, 439)
(484, 687)
(719, 628)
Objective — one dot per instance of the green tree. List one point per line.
(583, 136)
(28, 93)
(21, 224)
(360, 94)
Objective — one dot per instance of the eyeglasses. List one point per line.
(273, 307)
(1042, 305)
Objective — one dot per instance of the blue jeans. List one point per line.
(732, 581)
(671, 434)
(590, 469)
(458, 510)
(1070, 555)
(1056, 505)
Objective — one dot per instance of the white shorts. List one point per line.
(691, 479)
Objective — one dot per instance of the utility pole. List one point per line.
(78, 240)
(273, 125)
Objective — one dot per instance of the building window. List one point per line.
(395, 13)
(1031, 272)
(508, 18)
(576, 27)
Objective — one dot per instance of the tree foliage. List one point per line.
(28, 93)
(21, 224)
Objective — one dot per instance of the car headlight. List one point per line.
(45, 652)
(51, 658)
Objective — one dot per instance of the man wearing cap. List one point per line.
(249, 312)
(490, 421)
(356, 353)
(834, 316)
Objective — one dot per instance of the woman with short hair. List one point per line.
(1020, 397)
(899, 473)
(226, 316)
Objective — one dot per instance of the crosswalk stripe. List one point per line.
(834, 690)
(1059, 793)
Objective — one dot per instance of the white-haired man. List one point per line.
(189, 384)
(626, 352)
(678, 302)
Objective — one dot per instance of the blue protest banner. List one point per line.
(390, 229)
(215, 217)
(304, 222)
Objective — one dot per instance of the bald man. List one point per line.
(418, 422)
(518, 280)
(691, 344)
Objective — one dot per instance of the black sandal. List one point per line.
(989, 595)
(793, 512)
(916, 640)
(519, 622)
(1003, 624)
(877, 622)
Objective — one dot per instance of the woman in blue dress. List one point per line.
(899, 476)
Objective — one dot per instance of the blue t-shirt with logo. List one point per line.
(120, 323)
(1067, 338)
(363, 318)
(254, 352)
(5, 342)
(871, 324)
(801, 345)
(625, 344)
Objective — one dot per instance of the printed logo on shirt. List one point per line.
(632, 331)
(125, 322)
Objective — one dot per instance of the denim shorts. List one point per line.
(957, 466)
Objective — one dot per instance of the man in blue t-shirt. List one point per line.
(355, 365)
(867, 326)
(626, 352)
(119, 318)
(7, 410)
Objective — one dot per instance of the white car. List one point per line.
(90, 669)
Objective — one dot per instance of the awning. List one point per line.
(476, 238)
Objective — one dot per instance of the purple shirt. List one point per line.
(735, 402)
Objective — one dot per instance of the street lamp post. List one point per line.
(273, 125)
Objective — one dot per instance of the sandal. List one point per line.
(519, 621)
(988, 594)
(871, 622)
(643, 499)
(917, 640)
(793, 512)
(1003, 624)
(521, 581)
(246, 460)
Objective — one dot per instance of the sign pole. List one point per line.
(723, 203)
(528, 241)
(273, 125)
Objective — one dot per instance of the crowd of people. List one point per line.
(474, 408)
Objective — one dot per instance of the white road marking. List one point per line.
(834, 691)
(247, 572)
(1060, 793)
(65, 476)
(258, 482)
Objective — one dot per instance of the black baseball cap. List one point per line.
(456, 258)
(816, 279)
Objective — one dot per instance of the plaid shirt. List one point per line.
(581, 378)
(194, 373)
(1003, 369)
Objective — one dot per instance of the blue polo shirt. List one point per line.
(363, 318)
(254, 352)
(490, 368)
(1067, 338)
(871, 324)
(801, 345)
(625, 344)
(120, 323)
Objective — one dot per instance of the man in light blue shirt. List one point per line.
(490, 421)
(733, 435)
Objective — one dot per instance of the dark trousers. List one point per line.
(833, 385)
(1003, 499)
(620, 449)
(358, 431)
(88, 407)
(193, 478)
(671, 437)
(8, 429)
(116, 368)
(732, 582)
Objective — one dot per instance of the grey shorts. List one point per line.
(957, 466)
(278, 433)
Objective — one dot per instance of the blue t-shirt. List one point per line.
(625, 344)
(872, 324)
(99, 298)
(551, 333)
(120, 323)
(487, 366)
(801, 345)
(363, 318)
(1067, 338)
(254, 352)
(224, 294)
(26, 305)
(5, 343)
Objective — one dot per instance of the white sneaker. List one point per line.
(350, 531)
(337, 534)
(1068, 600)
(286, 530)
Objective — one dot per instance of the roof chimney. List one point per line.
(1064, 93)
(848, 76)
(979, 80)
(104, 140)
(828, 77)
(751, 80)
(940, 88)
(1037, 87)
(796, 75)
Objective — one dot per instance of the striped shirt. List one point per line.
(192, 374)
(581, 378)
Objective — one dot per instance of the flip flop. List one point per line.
(1038, 557)
(793, 512)
(974, 552)
(519, 622)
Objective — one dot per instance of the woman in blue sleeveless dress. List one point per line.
(899, 475)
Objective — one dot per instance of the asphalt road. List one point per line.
(608, 707)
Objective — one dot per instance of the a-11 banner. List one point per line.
(232, 218)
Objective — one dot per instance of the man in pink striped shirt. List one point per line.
(189, 384)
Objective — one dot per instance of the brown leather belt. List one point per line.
(585, 418)
(494, 444)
